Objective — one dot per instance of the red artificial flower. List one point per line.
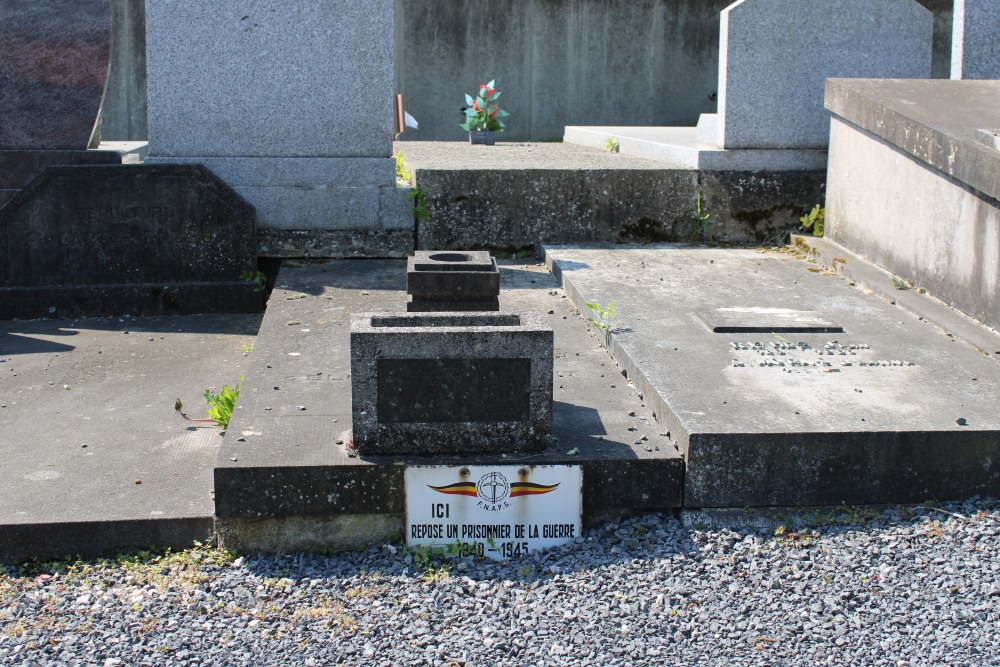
(481, 86)
(494, 114)
(475, 105)
(490, 91)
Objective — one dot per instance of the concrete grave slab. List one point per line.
(95, 459)
(54, 59)
(913, 151)
(891, 410)
(521, 195)
(19, 167)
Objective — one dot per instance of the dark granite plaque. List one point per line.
(54, 57)
(78, 236)
(438, 391)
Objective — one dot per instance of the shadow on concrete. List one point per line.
(350, 274)
(517, 278)
(13, 343)
(19, 337)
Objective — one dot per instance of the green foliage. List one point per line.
(257, 277)
(612, 145)
(902, 284)
(401, 171)
(814, 220)
(220, 406)
(602, 318)
(482, 112)
(701, 220)
(421, 205)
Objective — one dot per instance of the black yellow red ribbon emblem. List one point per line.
(516, 489)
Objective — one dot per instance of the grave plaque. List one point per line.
(468, 390)
(494, 511)
(54, 59)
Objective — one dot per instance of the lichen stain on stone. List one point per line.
(646, 229)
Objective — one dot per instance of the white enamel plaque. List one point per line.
(493, 511)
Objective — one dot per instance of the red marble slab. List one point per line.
(54, 57)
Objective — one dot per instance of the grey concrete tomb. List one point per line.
(432, 383)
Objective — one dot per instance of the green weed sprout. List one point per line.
(814, 220)
(220, 406)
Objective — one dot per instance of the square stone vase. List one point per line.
(483, 138)
(450, 383)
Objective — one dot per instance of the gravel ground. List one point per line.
(903, 587)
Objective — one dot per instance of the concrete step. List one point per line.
(284, 478)
(893, 410)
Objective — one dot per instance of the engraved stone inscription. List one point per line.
(831, 357)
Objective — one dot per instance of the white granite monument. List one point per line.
(290, 103)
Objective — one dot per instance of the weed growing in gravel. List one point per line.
(14, 629)
(435, 575)
(154, 567)
(788, 539)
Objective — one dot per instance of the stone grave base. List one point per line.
(285, 478)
